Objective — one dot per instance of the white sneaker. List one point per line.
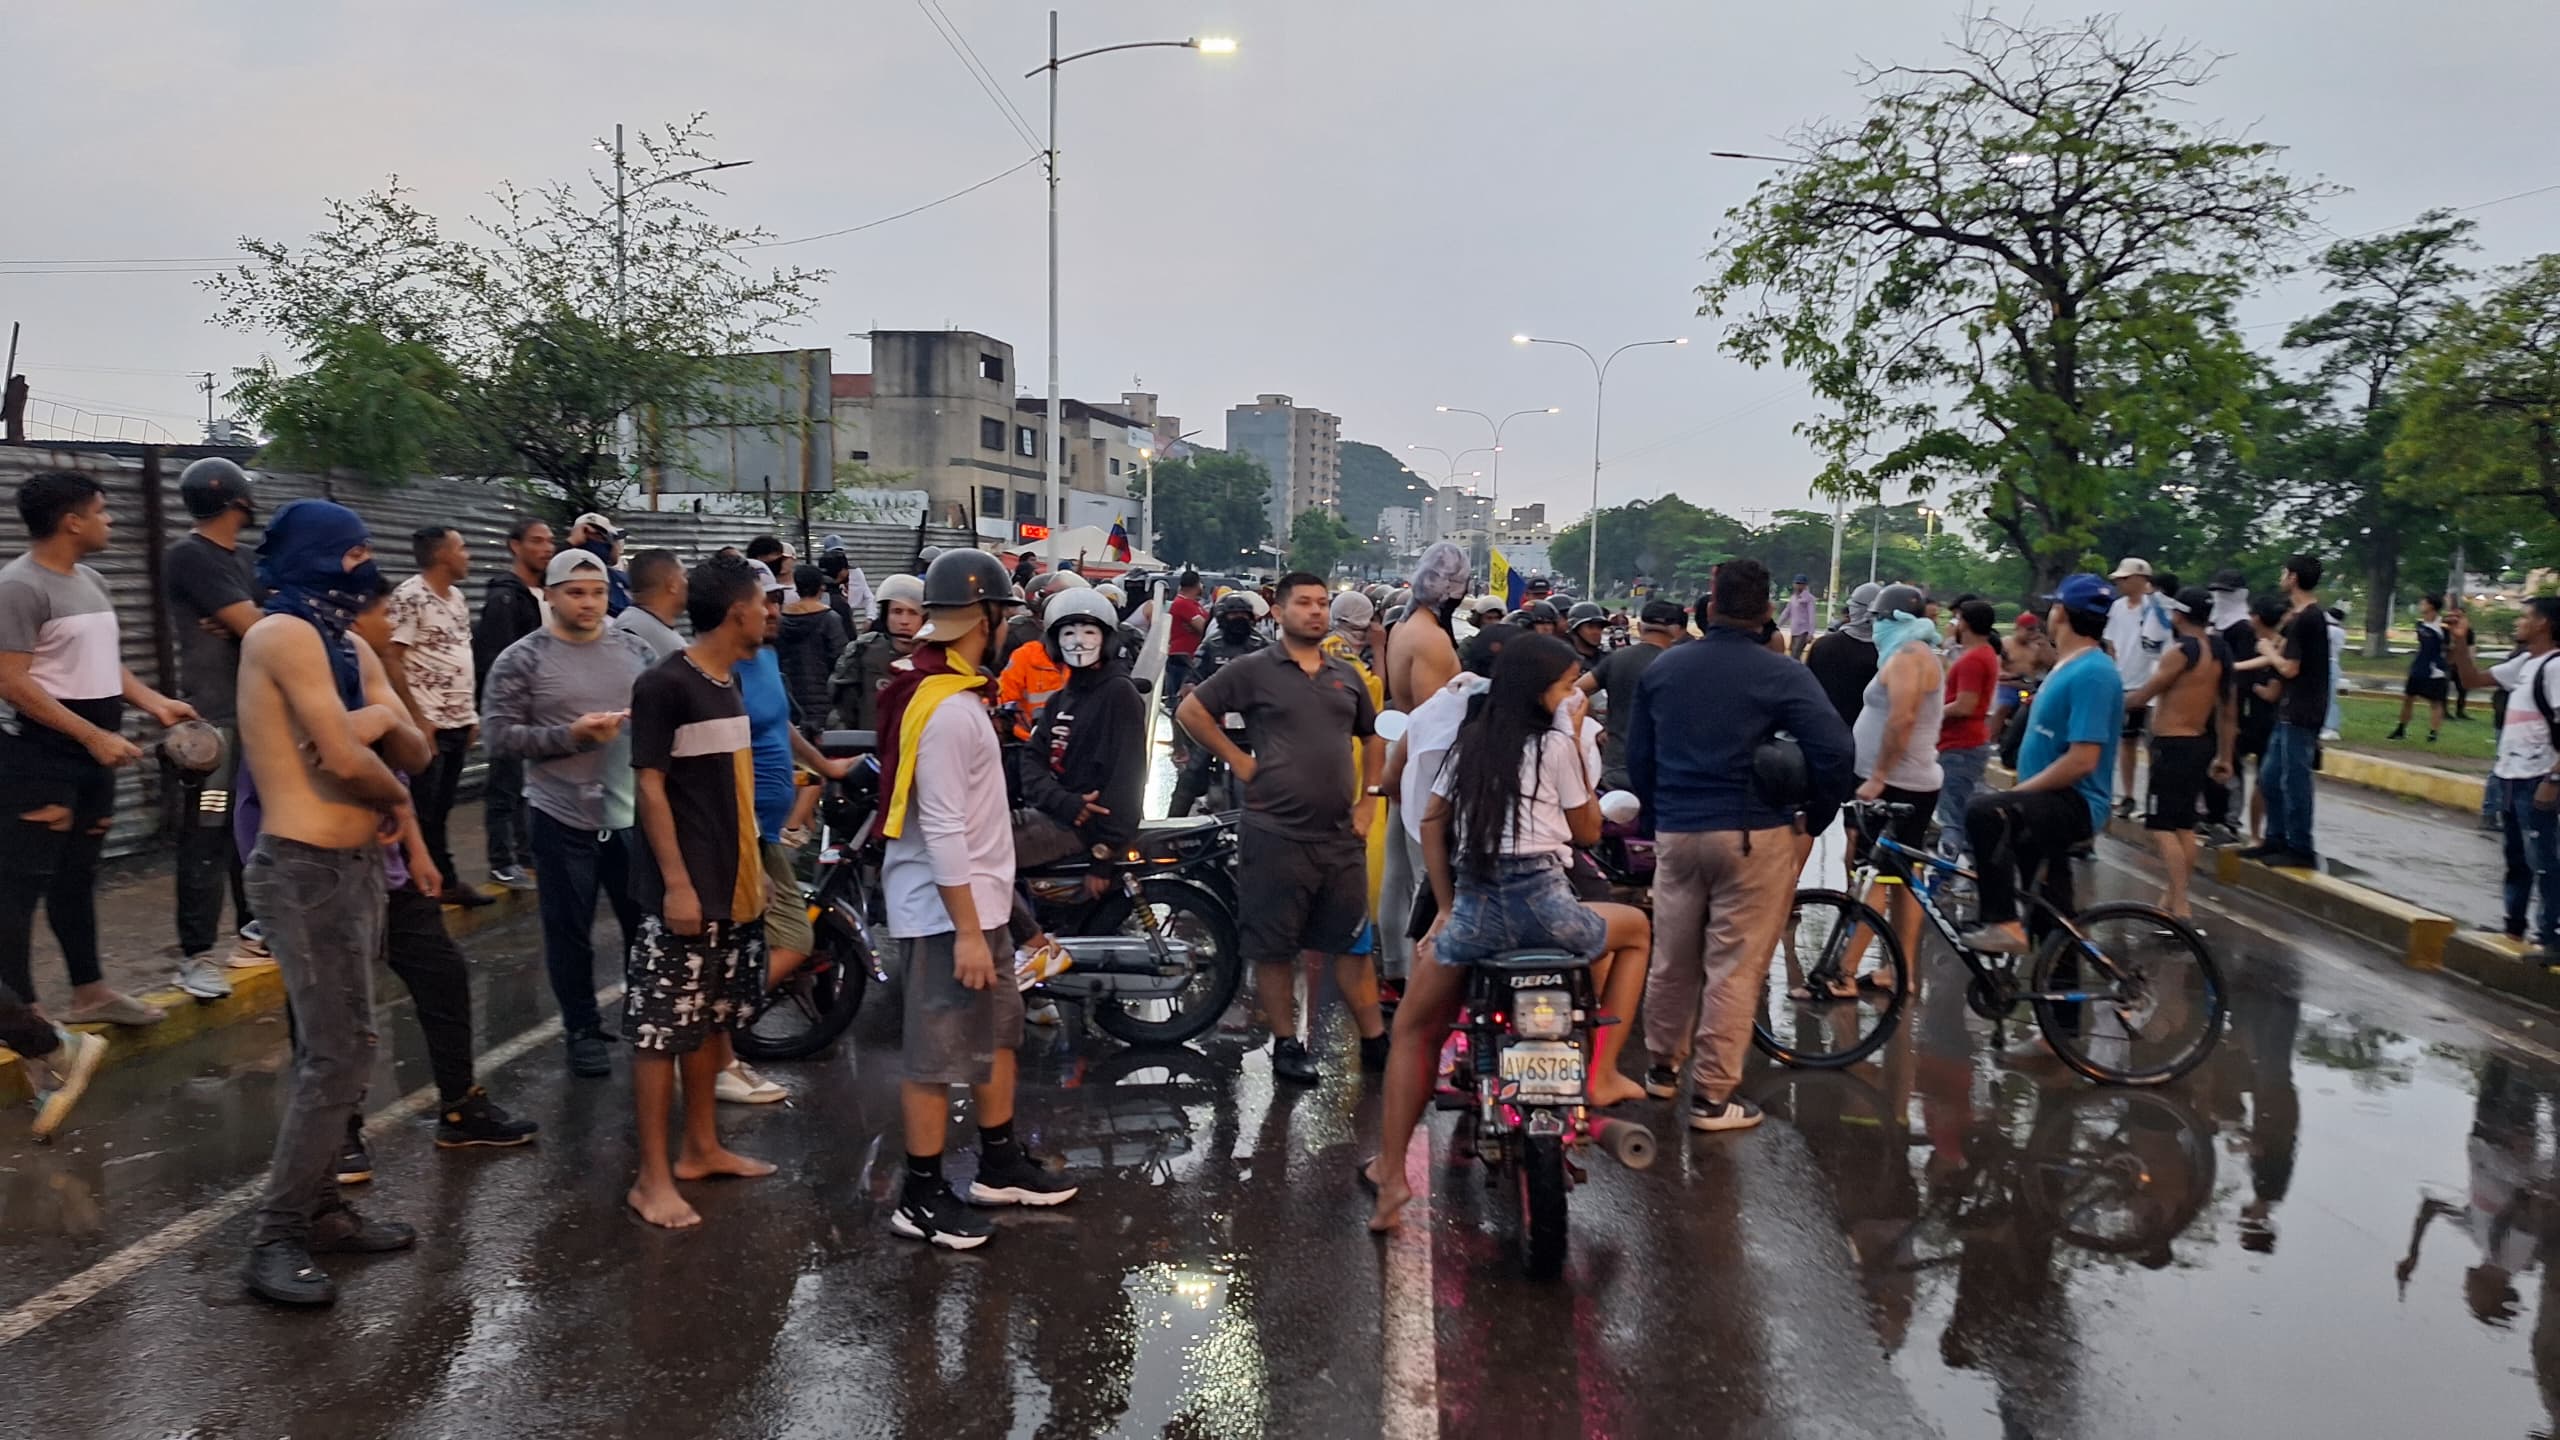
(199, 976)
(739, 1085)
(60, 1078)
(1044, 1013)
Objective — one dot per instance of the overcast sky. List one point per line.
(1358, 208)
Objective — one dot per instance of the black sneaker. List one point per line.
(1291, 1062)
(1012, 1177)
(344, 1232)
(467, 897)
(1736, 1114)
(2261, 850)
(934, 1215)
(587, 1058)
(2293, 860)
(355, 1162)
(1662, 1082)
(475, 1119)
(284, 1272)
(1374, 1050)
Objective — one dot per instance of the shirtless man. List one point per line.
(313, 705)
(1421, 659)
(2192, 728)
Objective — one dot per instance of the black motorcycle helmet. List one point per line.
(967, 577)
(209, 486)
(1232, 604)
(1586, 613)
(1537, 612)
(1779, 773)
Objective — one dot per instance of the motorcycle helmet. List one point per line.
(209, 486)
(1101, 622)
(1118, 597)
(966, 577)
(1585, 613)
(1537, 612)
(905, 589)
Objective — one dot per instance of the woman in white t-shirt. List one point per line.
(1515, 797)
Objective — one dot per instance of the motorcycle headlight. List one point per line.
(1542, 1014)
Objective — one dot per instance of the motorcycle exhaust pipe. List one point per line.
(1629, 1143)
(1124, 955)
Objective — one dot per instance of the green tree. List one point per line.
(1209, 508)
(1668, 540)
(362, 402)
(2391, 288)
(2012, 277)
(2480, 427)
(1318, 541)
(559, 339)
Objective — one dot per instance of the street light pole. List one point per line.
(1599, 400)
(1053, 443)
(1494, 486)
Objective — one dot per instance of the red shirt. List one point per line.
(1976, 672)
(1189, 620)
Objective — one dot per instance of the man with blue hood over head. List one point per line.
(315, 704)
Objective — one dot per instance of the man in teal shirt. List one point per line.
(2065, 766)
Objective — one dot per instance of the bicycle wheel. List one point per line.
(1835, 984)
(2120, 1172)
(2139, 1001)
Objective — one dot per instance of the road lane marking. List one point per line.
(178, 1234)
(1409, 1403)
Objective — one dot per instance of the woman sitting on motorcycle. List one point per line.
(1508, 807)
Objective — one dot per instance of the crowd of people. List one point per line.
(647, 727)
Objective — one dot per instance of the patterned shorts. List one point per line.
(677, 989)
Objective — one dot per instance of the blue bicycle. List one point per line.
(2125, 993)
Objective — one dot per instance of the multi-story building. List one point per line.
(1523, 525)
(1301, 447)
(1401, 528)
(940, 413)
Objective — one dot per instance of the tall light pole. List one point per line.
(622, 196)
(1147, 516)
(1494, 486)
(1599, 399)
(1053, 444)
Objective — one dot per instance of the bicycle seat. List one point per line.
(837, 744)
(1543, 957)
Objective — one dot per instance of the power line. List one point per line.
(1026, 163)
(963, 38)
(994, 96)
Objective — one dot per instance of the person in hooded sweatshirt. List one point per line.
(1080, 780)
(1843, 661)
(813, 636)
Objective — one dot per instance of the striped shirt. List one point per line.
(693, 730)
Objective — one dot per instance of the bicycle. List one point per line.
(2153, 1012)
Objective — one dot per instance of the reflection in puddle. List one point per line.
(1195, 1366)
(2330, 1227)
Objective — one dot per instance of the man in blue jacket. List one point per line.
(1724, 854)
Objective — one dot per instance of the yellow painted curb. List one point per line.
(255, 992)
(2448, 788)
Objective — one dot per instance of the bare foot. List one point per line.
(721, 1164)
(1392, 1197)
(661, 1206)
(1610, 1088)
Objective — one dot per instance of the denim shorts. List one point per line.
(1526, 904)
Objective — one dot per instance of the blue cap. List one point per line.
(2083, 593)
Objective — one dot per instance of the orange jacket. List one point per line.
(1029, 679)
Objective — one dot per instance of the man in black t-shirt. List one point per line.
(2302, 660)
(1661, 625)
(1843, 659)
(697, 967)
(213, 594)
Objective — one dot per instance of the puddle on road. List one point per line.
(1194, 1364)
(2328, 1228)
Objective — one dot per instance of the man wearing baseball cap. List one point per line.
(2138, 631)
(600, 537)
(2064, 763)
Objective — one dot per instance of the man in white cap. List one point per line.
(2138, 629)
(599, 536)
(556, 701)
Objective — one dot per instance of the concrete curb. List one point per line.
(2449, 788)
(255, 993)
(2496, 963)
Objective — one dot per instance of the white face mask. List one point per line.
(1080, 644)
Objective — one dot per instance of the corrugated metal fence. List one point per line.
(142, 482)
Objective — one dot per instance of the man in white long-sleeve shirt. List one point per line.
(948, 880)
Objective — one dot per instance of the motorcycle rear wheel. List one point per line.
(1543, 1186)
(1191, 914)
(816, 1004)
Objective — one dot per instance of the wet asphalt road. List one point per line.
(1932, 1244)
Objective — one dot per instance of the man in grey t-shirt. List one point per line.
(66, 688)
(556, 700)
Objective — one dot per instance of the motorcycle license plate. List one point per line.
(1543, 1067)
